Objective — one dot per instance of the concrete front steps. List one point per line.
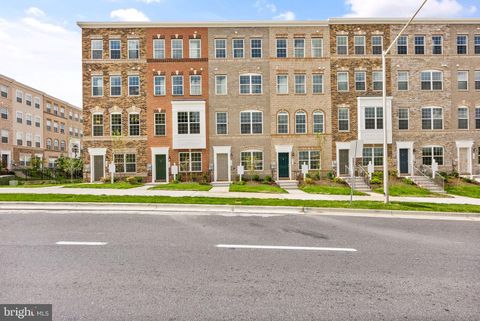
(359, 184)
(220, 184)
(286, 185)
(427, 183)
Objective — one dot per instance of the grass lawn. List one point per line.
(462, 188)
(36, 185)
(117, 185)
(182, 187)
(394, 206)
(399, 188)
(331, 189)
(256, 188)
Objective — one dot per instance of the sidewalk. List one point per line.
(296, 195)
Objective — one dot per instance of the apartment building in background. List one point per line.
(272, 96)
(23, 126)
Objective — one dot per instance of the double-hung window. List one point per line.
(188, 122)
(477, 79)
(158, 48)
(19, 117)
(195, 85)
(97, 48)
(55, 127)
(431, 80)
(318, 122)
(437, 44)
(4, 112)
(299, 47)
(5, 135)
(342, 45)
(97, 86)
(115, 86)
(359, 42)
(343, 119)
(177, 85)
(342, 81)
(360, 80)
(159, 87)
(256, 48)
(462, 44)
(19, 95)
(177, 49)
(251, 122)
(462, 80)
(373, 118)
(462, 118)
(221, 120)
(310, 158)
(402, 80)
(402, 45)
(432, 153)
(282, 48)
(300, 122)
(476, 44)
(317, 83)
(28, 119)
(19, 138)
(372, 154)
(160, 124)
(238, 48)
(403, 118)
(419, 45)
(282, 123)
(115, 49)
(432, 118)
(317, 47)
(125, 163)
(377, 45)
(28, 99)
(133, 85)
(252, 160)
(116, 124)
(377, 80)
(134, 124)
(190, 161)
(220, 84)
(251, 84)
(300, 84)
(195, 48)
(133, 48)
(220, 48)
(282, 84)
(97, 125)
(3, 91)
(36, 102)
(477, 118)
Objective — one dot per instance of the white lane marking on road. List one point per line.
(273, 247)
(80, 243)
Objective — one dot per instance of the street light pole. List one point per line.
(384, 102)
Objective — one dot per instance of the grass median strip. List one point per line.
(116, 185)
(374, 205)
(182, 187)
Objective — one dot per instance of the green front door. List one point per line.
(283, 165)
(160, 167)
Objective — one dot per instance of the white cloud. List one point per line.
(287, 15)
(264, 5)
(43, 55)
(130, 14)
(405, 8)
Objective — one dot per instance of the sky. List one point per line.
(41, 43)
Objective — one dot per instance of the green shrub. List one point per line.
(408, 181)
(131, 180)
(239, 183)
(4, 180)
(268, 179)
(256, 178)
(339, 180)
(330, 175)
(309, 181)
(316, 176)
(377, 178)
(139, 179)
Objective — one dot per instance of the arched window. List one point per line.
(300, 122)
(49, 143)
(55, 144)
(318, 122)
(282, 122)
(62, 145)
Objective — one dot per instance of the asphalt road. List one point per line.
(169, 268)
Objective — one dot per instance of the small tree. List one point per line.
(321, 138)
(72, 165)
(35, 165)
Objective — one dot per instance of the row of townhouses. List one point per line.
(35, 124)
(273, 96)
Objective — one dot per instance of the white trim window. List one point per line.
(195, 85)
(160, 124)
(252, 160)
(134, 85)
(251, 122)
(38, 142)
(116, 124)
(477, 118)
(190, 162)
(177, 48)
(403, 118)
(125, 163)
(19, 95)
(221, 84)
(359, 42)
(220, 48)
(342, 81)
(195, 48)
(300, 122)
(177, 85)
(28, 119)
(462, 80)
(372, 154)
(28, 139)
(133, 48)
(419, 42)
(96, 48)
(19, 137)
(158, 48)
(97, 125)
(317, 47)
(115, 48)
(28, 99)
(430, 153)
(134, 124)
(402, 45)
(317, 83)
(115, 86)
(343, 119)
(221, 123)
(477, 79)
(300, 84)
(4, 112)
(377, 80)
(5, 136)
(437, 45)
(342, 45)
(19, 115)
(3, 91)
(377, 45)
(402, 80)
(462, 113)
(462, 44)
(431, 80)
(310, 158)
(373, 117)
(282, 122)
(432, 118)
(188, 122)
(360, 81)
(238, 48)
(282, 48)
(36, 102)
(97, 86)
(299, 47)
(476, 48)
(48, 143)
(159, 86)
(251, 84)
(282, 84)
(256, 48)
(318, 122)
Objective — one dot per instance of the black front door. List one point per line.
(161, 168)
(4, 161)
(283, 165)
(404, 161)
